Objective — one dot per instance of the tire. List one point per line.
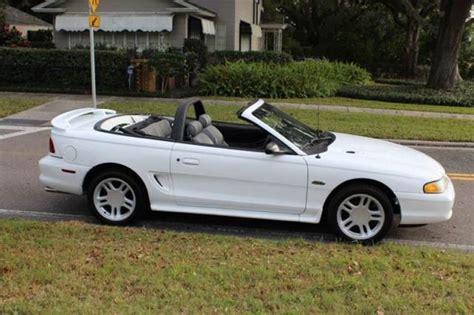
(361, 213)
(116, 198)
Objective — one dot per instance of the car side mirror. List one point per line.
(275, 149)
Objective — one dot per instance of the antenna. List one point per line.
(318, 131)
(319, 126)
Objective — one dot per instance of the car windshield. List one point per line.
(290, 128)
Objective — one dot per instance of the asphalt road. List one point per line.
(21, 190)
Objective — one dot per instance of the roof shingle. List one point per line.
(15, 16)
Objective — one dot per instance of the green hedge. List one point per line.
(221, 57)
(418, 93)
(62, 68)
(41, 39)
(292, 80)
(197, 47)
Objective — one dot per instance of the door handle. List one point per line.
(189, 161)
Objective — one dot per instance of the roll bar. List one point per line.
(181, 115)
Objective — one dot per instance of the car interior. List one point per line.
(201, 131)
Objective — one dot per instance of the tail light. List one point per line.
(52, 150)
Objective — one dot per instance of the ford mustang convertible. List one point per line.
(270, 166)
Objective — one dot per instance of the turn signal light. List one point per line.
(436, 187)
(52, 150)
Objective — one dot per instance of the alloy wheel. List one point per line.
(360, 216)
(114, 199)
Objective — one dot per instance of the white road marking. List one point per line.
(8, 213)
(14, 127)
(22, 131)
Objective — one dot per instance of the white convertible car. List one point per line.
(269, 167)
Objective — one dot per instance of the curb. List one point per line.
(437, 144)
(248, 232)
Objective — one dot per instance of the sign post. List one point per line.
(94, 22)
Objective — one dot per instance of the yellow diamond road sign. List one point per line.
(94, 21)
(94, 4)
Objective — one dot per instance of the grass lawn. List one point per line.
(352, 102)
(79, 268)
(13, 105)
(373, 125)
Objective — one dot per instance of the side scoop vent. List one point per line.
(157, 179)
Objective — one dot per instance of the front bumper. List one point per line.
(59, 176)
(424, 208)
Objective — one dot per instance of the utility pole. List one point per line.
(94, 22)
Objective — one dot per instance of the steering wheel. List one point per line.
(268, 140)
(118, 127)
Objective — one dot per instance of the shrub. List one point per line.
(418, 93)
(221, 57)
(62, 68)
(41, 39)
(168, 65)
(199, 48)
(11, 37)
(292, 80)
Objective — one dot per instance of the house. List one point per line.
(160, 24)
(24, 22)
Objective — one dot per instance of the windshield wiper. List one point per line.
(319, 138)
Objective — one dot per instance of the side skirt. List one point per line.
(234, 213)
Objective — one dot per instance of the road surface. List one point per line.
(21, 148)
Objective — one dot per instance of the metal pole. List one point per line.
(92, 47)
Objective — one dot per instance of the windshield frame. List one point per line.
(247, 113)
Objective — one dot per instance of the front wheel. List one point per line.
(116, 198)
(361, 213)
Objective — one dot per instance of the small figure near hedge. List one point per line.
(11, 37)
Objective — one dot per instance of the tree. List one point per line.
(411, 16)
(2, 12)
(444, 71)
(306, 18)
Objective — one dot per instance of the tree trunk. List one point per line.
(444, 68)
(412, 49)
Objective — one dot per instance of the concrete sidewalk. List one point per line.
(56, 105)
(64, 102)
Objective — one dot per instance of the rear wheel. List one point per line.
(361, 213)
(116, 198)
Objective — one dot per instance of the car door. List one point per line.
(227, 178)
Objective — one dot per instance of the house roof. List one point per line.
(199, 6)
(18, 17)
(185, 6)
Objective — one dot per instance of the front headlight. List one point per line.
(436, 187)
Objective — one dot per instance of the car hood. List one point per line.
(372, 155)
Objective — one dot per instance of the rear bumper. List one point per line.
(426, 208)
(59, 176)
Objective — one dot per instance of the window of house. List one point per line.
(245, 36)
(118, 39)
(99, 38)
(142, 41)
(195, 28)
(130, 39)
(107, 39)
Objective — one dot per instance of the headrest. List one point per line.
(194, 128)
(205, 120)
